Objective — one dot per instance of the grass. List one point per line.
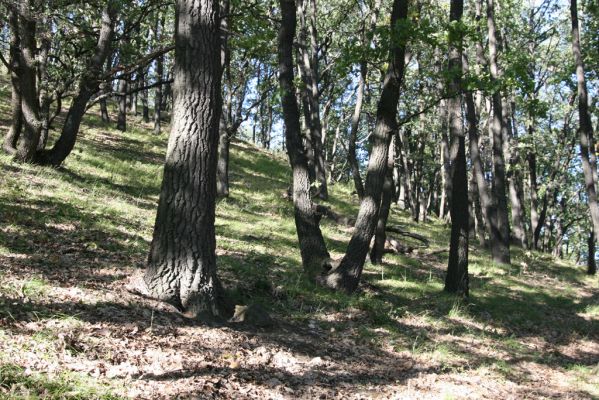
(66, 233)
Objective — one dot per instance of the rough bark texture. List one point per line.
(30, 107)
(456, 280)
(315, 257)
(587, 143)
(182, 262)
(88, 86)
(347, 275)
(500, 232)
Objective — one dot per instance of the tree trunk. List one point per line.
(380, 237)
(122, 87)
(478, 173)
(222, 169)
(456, 280)
(500, 232)
(16, 126)
(591, 262)
(88, 86)
(145, 110)
(309, 61)
(182, 263)
(347, 275)
(514, 176)
(353, 136)
(159, 77)
(587, 144)
(30, 107)
(315, 257)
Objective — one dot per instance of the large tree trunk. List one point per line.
(500, 232)
(456, 280)
(16, 125)
(347, 275)
(589, 168)
(182, 263)
(88, 86)
(315, 257)
(30, 107)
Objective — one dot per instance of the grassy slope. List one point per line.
(69, 239)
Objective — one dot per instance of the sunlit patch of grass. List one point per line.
(18, 383)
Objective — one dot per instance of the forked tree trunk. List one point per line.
(88, 86)
(456, 280)
(315, 257)
(182, 263)
(347, 275)
(587, 144)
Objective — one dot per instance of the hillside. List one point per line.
(69, 240)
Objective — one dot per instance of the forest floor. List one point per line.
(70, 239)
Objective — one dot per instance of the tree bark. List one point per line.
(182, 263)
(380, 237)
(353, 135)
(315, 257)
(88, 86)
(591, 262)
(587, 143)
(158, 97)
(121, 123)
(500, 232)
(309, 62)
(514, 176)
(30, 107)
(16, 126)
(347, 275)
(456, 280)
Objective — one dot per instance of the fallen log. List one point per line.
(399, 231)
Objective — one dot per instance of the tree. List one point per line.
(181, 267)
(315, 257)
(347, 275)
(500, 229)
(587, 143)
(88, 86)
(456, 280)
